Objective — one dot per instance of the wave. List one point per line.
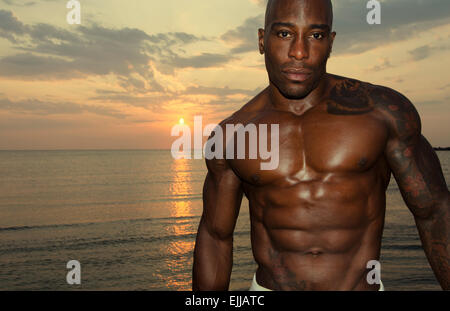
(77, 225)
(173, 198)
(402, 247)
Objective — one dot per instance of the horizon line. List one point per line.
(127, 149)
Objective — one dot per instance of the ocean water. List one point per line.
(130, 219)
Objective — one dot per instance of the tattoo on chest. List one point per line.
(349, 97)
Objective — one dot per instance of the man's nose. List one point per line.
(299, 48)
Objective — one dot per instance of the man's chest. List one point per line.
(313, 144)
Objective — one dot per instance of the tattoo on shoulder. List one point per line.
(349, 97)
(398, 110)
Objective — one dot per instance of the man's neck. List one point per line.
(298, 106)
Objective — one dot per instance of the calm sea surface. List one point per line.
(130, 219)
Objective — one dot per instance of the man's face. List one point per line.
(297, 42)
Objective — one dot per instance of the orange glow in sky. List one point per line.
(121, 78)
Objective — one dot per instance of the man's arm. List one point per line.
(213, 254)
(418, 173)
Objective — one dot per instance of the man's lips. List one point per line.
(297, 74)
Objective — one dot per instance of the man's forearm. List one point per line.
(435, 235)
(213, 260)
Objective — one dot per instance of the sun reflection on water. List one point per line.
(179, 251)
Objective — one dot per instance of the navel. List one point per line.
(315, 253)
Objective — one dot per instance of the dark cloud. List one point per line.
(10, 26)
(47, 33)
(56, 53)
(49, 52)
(30, 66)
(245, 36)
(420, 52)
(426, 51)
(400, 20)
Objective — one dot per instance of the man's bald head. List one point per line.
(298, 35)
(270, 6)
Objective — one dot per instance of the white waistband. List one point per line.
(258, 288)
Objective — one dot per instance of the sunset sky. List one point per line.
(133, 68)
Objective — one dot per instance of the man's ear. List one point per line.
(332, 36)
(261, 40)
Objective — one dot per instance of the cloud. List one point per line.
(16, 3)
(41, 108)
(50, 52)
(157, 102)
(426, 51)
(216, 102)
(10, 26)
(383, 63)
(152, 101)
(27, 65)
(245, 36)
(204, 60)
(420, 53)
(400, 20)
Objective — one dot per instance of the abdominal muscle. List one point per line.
(322, 245)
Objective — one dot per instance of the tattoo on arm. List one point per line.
(413, 161)
(419, 175)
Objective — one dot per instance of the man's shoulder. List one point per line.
(378, 98)
(394, 106)
(379, 93)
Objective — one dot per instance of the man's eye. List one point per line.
(317, 36)
(283, 34)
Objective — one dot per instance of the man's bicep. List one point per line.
(222, 197)
(416, 167)
(411, 158)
